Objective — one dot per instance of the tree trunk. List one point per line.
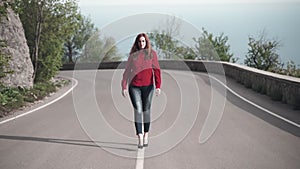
(70, 52)
(37, 37)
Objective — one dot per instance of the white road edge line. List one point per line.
(258, 106)
(45, 105)
(140, 159)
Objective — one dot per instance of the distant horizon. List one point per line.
(237, 21)
(181, 2)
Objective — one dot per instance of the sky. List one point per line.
(237, 19)
(130, 2)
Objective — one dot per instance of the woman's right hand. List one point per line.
(125, 93)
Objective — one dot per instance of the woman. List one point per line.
(141, 71)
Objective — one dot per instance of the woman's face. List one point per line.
(142, 42)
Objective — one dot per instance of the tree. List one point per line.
(164, 44)
(210, 47)
(292, 70)
(75, 42)
(98, 49)
(109, 50)
(32, 17)
(262, 53)
(47, 25)
(204, 50)
(163, 40)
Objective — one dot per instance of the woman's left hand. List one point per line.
(157, 91)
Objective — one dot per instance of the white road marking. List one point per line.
(45, 105)
(140, 159)
(258, 106)
(140, 153)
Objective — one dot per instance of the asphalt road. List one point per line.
(196, 124)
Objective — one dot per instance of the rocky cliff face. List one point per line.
(11, 31)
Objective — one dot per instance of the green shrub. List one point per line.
(14, 98)
(10, 99)
(40, 90)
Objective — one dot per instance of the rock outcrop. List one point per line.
(12, 32)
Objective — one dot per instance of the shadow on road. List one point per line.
(73, 142)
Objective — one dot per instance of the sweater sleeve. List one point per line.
(156, 70)
(126, 73)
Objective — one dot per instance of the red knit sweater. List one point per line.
(139, 71)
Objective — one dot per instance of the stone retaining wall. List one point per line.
(278, 87)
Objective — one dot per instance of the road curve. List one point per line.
(92, 127)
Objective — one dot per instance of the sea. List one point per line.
(237, 21)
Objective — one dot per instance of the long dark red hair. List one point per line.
(135, 47)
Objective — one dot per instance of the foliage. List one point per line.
(3, 7)
(262, 53)
(99, 50)
(14, 98)
(166, 46)
(204, 50)
(48, 24)
(210, 47)
(4, 61)
(207, 47)
(10, 98)
(39, 91)
(187, 53)
(4, 57)
(292, 69)
(76, 42)
(164, 41)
